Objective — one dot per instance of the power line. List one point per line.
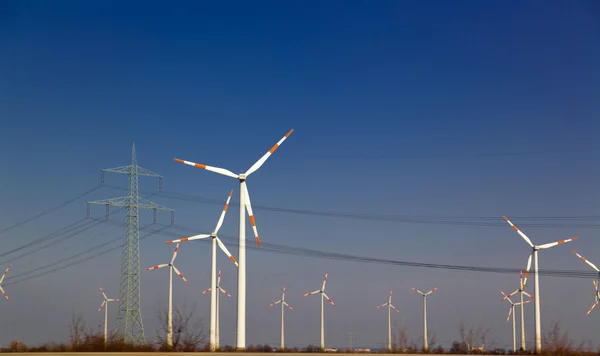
(482, 221)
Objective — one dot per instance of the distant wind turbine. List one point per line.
(535, 248)
(596, 282)
(219, 290)
(105, 305)
(511, 310)
(213, 274)
(283, 304)
(170, 313)
(390, 307)
(425, 346)
(521, 291)
(323, 297)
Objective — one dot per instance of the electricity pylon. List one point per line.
(129, 315)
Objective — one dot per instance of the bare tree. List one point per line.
(432, 340)
(76, 331)
(188, 331)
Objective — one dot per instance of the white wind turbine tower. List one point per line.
(221, 290)
(213, 274)
(511, 310)
(170, 313)
(390, 307)
(425, 346)
(597, 295)
(521, 291)
(283, 304)
(538, 327)
(323, 297)
(244, 204)
(105, 305)
(2, 280)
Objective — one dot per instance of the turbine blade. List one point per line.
(262, 160)
(113, 300)
(393, 307)
(103, 294)
(311, 293)
(382, 305)
(251, 215)
(418, 291)
(287, 305)
(222, 246)
(219, 278)
(328, 299)
(527, 271)
(225, 292)
(578, 255)
(324, 281)
(592, 308)
(206, 291)
(179, 274)
(175, 253)
(157, 267)
(552, 244)
(101, 305)
(521, 278)
(506, 297)
(4, 293)
(223, 212)
(222, 171)
(509, 312)
(275, 303)
(519, 231)
(184, 239)
(4, 274)
(527, 294)
(433, 290)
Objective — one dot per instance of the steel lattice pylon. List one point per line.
(129, 315)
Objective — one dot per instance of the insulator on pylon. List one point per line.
(102, 176)
(107, 208)
(160, 184)
(154, 216)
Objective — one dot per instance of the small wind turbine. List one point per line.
(213, 274)
(425, 347)
(244, 205)
(596, 296)
(170, 313)
(2, 280)
(535, 248)
(283, 303)
(323, 296)
(511, 310)
(390, 307)
(105, 305)
(521, 291)
(219, 289)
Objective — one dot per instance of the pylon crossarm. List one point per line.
(122, 169)
(121, 201)
(147, 204)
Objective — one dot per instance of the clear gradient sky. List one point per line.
(399, 107)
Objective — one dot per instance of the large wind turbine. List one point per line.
(283, 304)
(511, 310)
(597, 295)
(390, 307)
(244, 204)
(213, 273)
(219, 290)
(105, 305)
(425, 346)
(170, 313)
(521, 291)
(323, 296)
(538, 327)
(2, 280)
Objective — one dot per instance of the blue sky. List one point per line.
(395, 106)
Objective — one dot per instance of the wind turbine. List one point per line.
(213, 274)
(170, 313)
(511, 310)
(244, 204)
(105, 305)
(521, 291)
(425, 347)
(2, 280)
(390, 307)
(283, 303)
(219, 289)
(323, 296)
(597, 295)
(535, 248)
